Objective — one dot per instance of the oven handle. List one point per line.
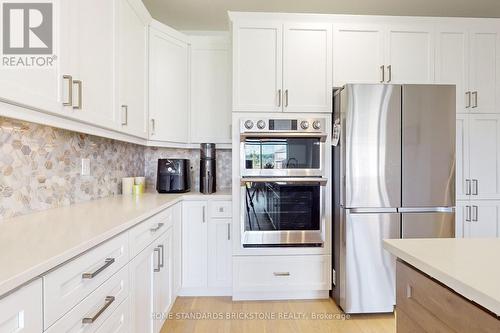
(321, 136)
(303, 180)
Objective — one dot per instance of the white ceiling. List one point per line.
(212, 14)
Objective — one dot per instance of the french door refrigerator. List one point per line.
(394, 173)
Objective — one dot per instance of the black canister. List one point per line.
(208, 163)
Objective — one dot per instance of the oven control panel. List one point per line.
(314, 125)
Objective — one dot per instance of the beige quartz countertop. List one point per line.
(33, 244)
(471, 267)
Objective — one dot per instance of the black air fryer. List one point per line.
(174, 176)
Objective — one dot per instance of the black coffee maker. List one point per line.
(208, 163)
(174, 176)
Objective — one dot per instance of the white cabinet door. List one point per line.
(307, 67)
(168, 87)
(485, 71)
(219, 253)
(194, 244)
(38, 87)
(162, 286)
(21, 312)
(132, 70)
(358, 54)
(483, 220)
(93, 61)
(463, 185)
(410, 54)
(210, 90)
(177, 249)
(484, 156)
(452, 62)
(141, 290)
(257, 67)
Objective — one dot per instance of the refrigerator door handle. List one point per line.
(371, 210)
(426, 209)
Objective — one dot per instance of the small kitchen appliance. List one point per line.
(208, 174)
(174, 176)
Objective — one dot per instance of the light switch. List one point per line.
(85, 167)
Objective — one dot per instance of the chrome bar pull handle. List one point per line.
(162, 262)
(475, 188)
(382, 70)
(467, 100)
(158, 227)
(286, 98)
(107, 302)
(467, 187)
(281, 273)
(389, 68)
(475, 210)
(228, 231)
(80, 94)
(108, 262)
(158, 263)
(467, 214)
(124, 115)
(474, 95)
(204, 214)
(279, 97)
(153, 126)
(70, 90)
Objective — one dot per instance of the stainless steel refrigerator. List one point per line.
(394, 173)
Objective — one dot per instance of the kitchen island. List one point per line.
(447, 285)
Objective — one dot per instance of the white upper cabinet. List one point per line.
(358, 54)
(410, 54)
(91, 60)
(307, 67)
(210, 119)
(485, 71)
(168, 84)
(257, 67)
(39, 87)
(452, 59)
(132, 67)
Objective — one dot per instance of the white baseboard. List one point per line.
(205, 292)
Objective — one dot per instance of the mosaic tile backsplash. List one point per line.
(40, 166)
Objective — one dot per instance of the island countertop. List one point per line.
(470, 267)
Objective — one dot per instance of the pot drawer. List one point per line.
(94, 310)
(435, 307)
(119, 321)
(220, 209)
(282, 273)
(69, 284)
(146, 232)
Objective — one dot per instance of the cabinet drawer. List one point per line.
(119, 321)
(146, 232)
(282, 273)
(94, 310)
(435, 307)
(220, 209)
(21, 311)
(68, 285)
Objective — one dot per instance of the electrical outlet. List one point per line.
(85, 167)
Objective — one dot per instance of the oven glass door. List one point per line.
(281, 156)
(282, 212)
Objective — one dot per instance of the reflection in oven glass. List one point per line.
(281, 206)
(283, 153)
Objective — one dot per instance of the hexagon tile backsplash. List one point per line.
(40, 166)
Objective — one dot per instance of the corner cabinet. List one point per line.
(168, 85)
(21, 311)
(282, 67)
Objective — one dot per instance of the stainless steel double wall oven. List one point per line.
(282, 169)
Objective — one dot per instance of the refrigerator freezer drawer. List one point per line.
(428, 225)
(369, 281)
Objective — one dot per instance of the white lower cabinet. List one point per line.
(162, 280)
(21, 311)
(119, 321)
(94, 310)
(478, 219)
(206, 248)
